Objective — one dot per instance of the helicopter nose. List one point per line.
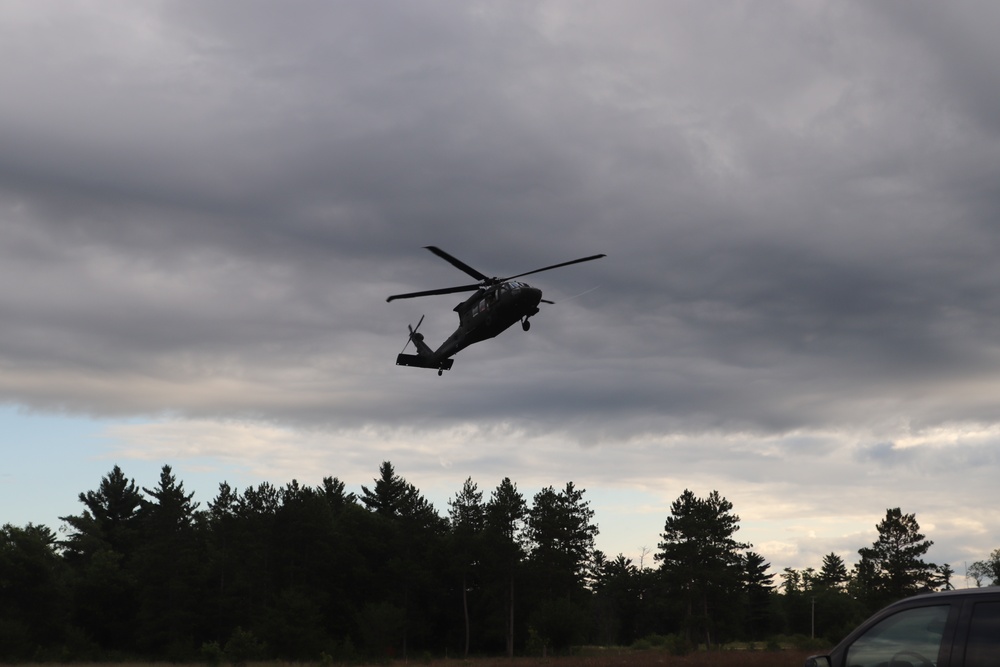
(533, 295)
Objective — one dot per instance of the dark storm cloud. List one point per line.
(796, 206)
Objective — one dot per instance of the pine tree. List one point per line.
(561, 536)
(561, 533)
(617, 598)
(505, 516)
(32, 604)
(333, 491)
(759, 584)
(109, 520)
(170, 566)
(468, 520)
(414, 533)
(223, 559)
(101, 547)
(895, 558)
(833, 573)
(699, 559)
(389, 495)
(395, 498)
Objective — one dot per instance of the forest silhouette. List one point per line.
(310, 573)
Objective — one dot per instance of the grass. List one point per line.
(650, 658)
(590, 657)
(609, 658)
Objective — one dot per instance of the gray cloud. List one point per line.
(203, 207)
(240, 176)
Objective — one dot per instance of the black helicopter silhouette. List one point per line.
(496, 305)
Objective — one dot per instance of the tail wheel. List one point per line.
(525, 324)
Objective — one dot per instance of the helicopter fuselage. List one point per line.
(496, 304)
(489, 312)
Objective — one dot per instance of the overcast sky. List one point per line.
(203, 207)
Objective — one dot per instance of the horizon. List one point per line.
(203, 208)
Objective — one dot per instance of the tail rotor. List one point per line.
(415, 338)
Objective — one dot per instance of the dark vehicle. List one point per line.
(948, 629)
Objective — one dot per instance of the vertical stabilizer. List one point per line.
(424, 358)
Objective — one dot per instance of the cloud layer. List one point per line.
(203, 208)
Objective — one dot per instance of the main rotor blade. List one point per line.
(443, 290)
(457, 263)
(556, 266)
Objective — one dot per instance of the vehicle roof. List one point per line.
(955, 593)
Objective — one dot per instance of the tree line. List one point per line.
(308, 573)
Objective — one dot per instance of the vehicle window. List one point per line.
(983, 646)
(910, 638)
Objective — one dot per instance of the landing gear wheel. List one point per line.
(525, 324)
(440, 372)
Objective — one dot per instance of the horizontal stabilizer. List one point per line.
(423, 362)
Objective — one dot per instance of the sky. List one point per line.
(203, 207)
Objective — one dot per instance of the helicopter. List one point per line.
(496, 305)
